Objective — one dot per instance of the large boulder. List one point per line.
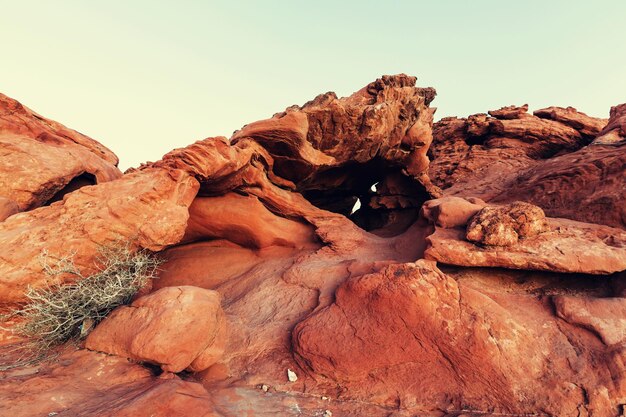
(504, 226)
(42, 160)
(176, 328)
(414, 335)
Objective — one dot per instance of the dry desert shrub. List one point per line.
(59, 312)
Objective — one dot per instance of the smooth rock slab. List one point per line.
(568, 247)
(176, 328)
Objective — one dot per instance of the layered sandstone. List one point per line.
(277, 296)
(478, 153)
(42, 160)
(150, 206)
(586, 185)
(568, 163)
(567, 246)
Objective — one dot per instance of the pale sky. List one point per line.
(144, 77)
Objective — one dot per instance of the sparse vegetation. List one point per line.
(61, 312)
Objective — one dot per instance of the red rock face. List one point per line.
(542, 159)
(42, 160)
(277, 297)
(409, 333)
(480, 152)
(221, 218)
(586, 185)
(568, 246)
(148, 210)
(85, 383)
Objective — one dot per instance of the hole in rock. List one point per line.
(154, 369)
(472, 140)
(356, 206)
(376, 196)
(75, 183)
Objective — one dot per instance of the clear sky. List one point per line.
(144, 77)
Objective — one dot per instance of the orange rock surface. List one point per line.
(7, 208)
(569, 164)
(42, 160)
(568, 246)
(311, 266)
(413, 335)
(176, 328)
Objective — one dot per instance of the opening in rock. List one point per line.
(155, 370)
(373, 195)
(77, 182)
(356, 206)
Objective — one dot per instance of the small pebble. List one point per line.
(324, 398)
(291, 375)
(265, 388)
(328, 413)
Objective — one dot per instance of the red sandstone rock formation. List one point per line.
(85, 383)
(449, 212)
(543, 159)
(176, 328)
(413, 335)
(504, 226)
(42, 160)
(260, 232)
(563, 246)
(149, 210)
(586, 185)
